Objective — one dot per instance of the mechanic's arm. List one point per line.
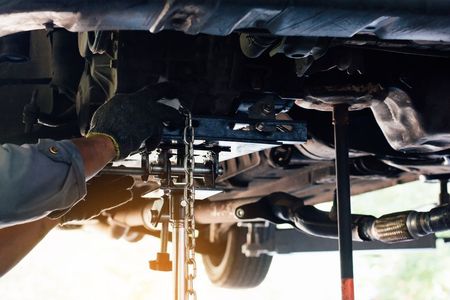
(38, 179)
(51, 175)
(16, 241)
(104, 193)
(96, 151)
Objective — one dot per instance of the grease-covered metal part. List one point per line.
(356, 96)
(411, 126)
(412, 121)
(411, 20)
(253, 46)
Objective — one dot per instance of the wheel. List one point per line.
(226, 266)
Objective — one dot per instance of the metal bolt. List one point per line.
(183, 203)
(240, 213)
(259, 126)
(219, 171)
(53, 150)
(267, 108)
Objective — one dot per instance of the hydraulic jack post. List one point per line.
(177, 216)
(341, 144)
(173, 212)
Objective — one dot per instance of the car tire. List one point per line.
(226, 265)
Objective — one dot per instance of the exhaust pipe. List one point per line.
(406, 226)
(282, 208)
(392, 228)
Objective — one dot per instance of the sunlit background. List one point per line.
(85, 264)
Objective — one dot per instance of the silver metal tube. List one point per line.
(137, 216)
(212, 212)
(164, 236)
(179, 254)
(154, 170)
(206, 212)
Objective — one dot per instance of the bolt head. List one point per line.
(53, 150)
(240, 213)
(267, 108)
(220, 171)
(259, 126)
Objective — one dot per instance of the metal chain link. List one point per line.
(189, 196)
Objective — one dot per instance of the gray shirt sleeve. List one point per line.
(37, 179)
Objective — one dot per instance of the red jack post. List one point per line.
(341, 144)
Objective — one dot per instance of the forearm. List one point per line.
(17, 241)
(40, 178)
(97, 151)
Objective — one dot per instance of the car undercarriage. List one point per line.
(265, 85)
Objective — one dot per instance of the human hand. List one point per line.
(131, 119)
(103, 193)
